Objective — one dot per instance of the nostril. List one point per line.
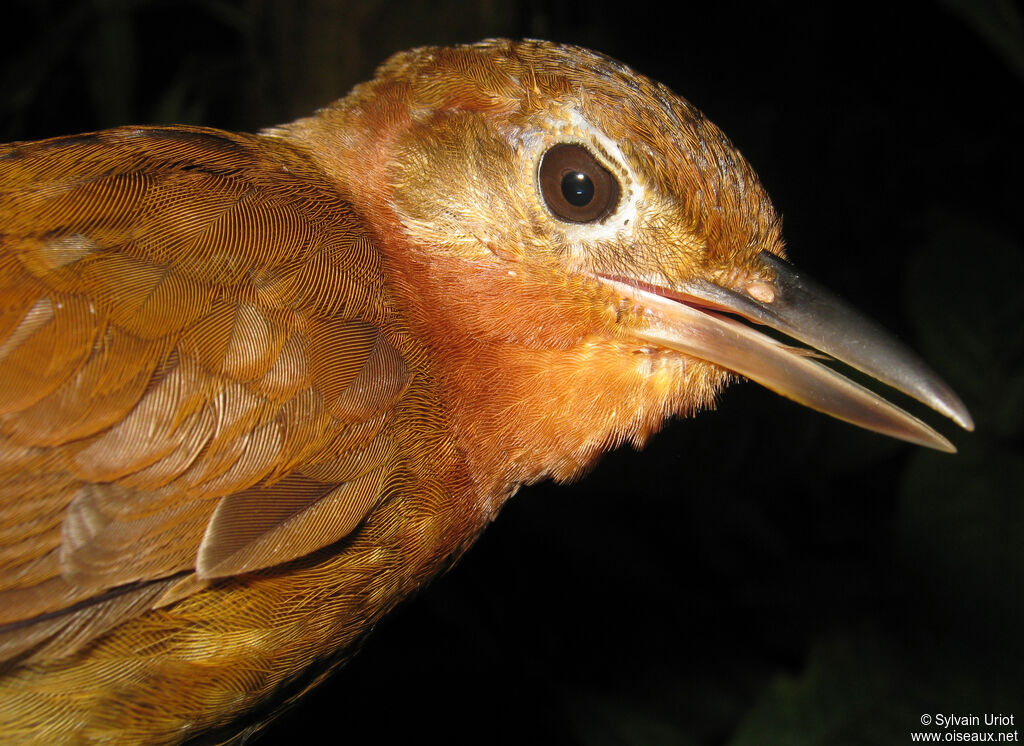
(761, 291)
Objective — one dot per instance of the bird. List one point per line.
(257, 389)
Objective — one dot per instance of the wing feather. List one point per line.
(198, 365)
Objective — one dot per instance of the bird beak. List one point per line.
(698, 319)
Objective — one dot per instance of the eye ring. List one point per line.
(575, 186)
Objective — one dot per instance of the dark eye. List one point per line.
(575, 186)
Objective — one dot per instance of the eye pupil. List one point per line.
(577, 188)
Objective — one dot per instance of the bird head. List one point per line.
(588, 255)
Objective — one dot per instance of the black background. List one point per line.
(757, 575)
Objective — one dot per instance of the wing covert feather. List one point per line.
(198, 361)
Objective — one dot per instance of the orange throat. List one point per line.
(536, 378)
